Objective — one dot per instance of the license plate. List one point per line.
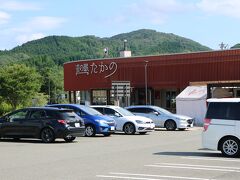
(77, 124)
(112, 128)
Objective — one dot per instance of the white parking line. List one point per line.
(159, 176)
(195, 167)
(116, 175)
(211, 159)
(126, 177)
(191, 165)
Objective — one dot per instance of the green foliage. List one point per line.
(143, 42)
(19, 84)
(52, 76)
(236, 46)
(8, 58)
(4, 108)
(55, 84)
(39, 99)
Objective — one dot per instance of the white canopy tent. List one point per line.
(192, 102)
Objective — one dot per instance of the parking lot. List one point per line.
(158, 155)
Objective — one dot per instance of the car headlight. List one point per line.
(139, 122)
(102, 121)
(183, 120)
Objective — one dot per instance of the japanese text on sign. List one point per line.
(93, 68)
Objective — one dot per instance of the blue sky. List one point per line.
(208, 22)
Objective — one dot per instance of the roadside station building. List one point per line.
(155, 80)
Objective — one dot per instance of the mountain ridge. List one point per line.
(141, 42)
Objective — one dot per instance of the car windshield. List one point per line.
(163, 110)
(90, 111)
(124, 112)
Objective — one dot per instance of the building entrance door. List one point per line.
(99, 97)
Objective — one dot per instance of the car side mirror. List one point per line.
(156, 113)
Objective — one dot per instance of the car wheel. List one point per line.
(90, 131)
(170, 125)
(142, 133)
(129, 128)
(230, 147)
(47, 135)
(69, 138)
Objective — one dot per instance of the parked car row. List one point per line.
(95, 122)
(68, 121)
(126, 121)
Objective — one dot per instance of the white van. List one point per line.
(222, 126)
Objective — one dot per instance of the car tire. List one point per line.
(47, 135)
(170, 125)
(129, 128)
(69, 138)
(230, 147)
(142, 133)
(90, 131)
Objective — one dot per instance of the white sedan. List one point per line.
(163, 118)
(126, 121)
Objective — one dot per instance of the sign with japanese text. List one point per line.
(90, 68)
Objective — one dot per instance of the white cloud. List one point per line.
(23, 38)
(157, 11)
(18, 6)
(36, 24)
(35, 28)
(29, 30)
(4, 17)
(45, 23)
(221, 7)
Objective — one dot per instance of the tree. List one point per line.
(19, 84)
(52, 74)
(55, 84)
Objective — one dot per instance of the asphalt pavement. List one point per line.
(158, 155)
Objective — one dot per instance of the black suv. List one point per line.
(42, 123)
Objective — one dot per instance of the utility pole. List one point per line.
(49, 91)
(223, 46)
(146, 89)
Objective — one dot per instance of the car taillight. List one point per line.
(206, 124)
(62, 121)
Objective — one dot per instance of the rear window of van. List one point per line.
(223, 110)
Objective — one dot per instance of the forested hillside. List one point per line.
(236, 46)
(62, 48)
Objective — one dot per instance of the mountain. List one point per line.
(141, 42)
(236, 46)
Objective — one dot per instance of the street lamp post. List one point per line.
(49, 91)
(146, 94)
